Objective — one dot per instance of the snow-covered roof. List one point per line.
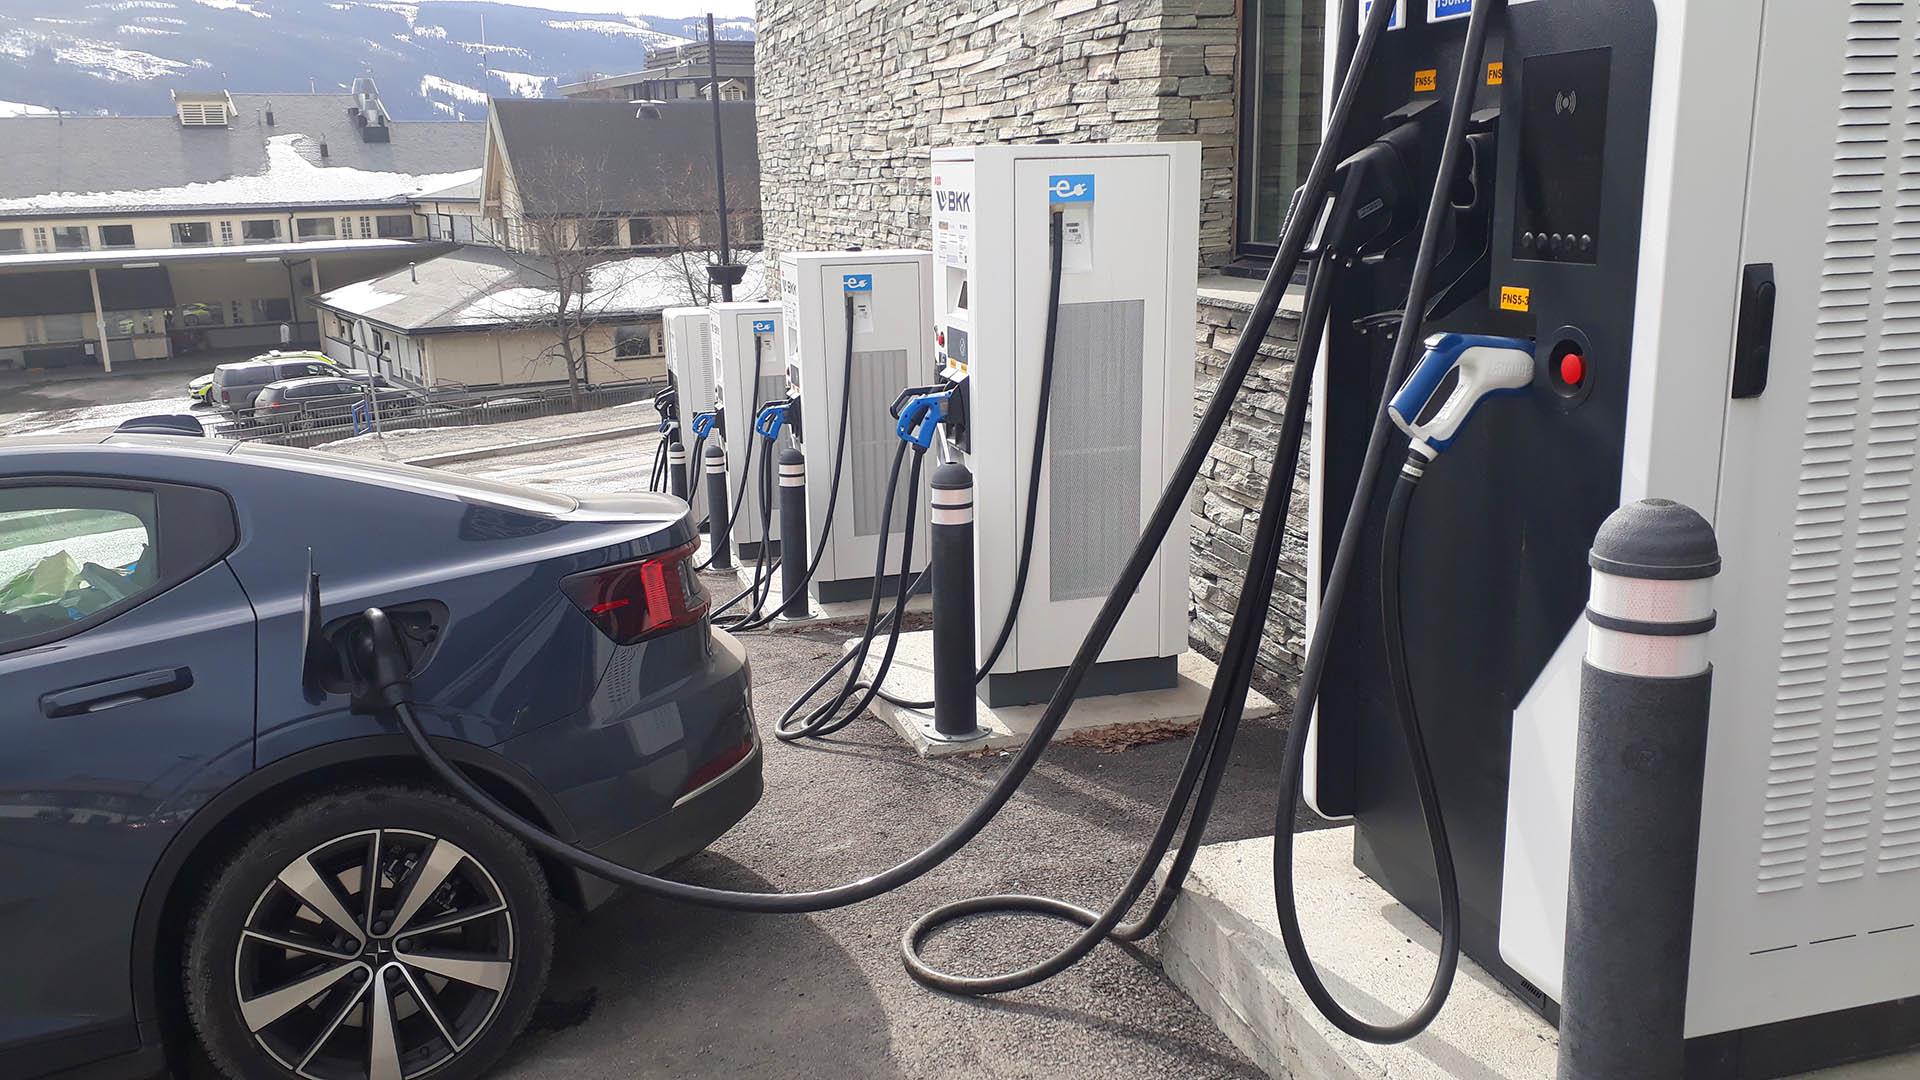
(300, 249)
(310, 155)
(480, 288)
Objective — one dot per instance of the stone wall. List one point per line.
(1226, 499)
(854, 94)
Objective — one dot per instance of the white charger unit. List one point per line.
(747, 373)
(690, 360)
(1122, 402)
(891, 293)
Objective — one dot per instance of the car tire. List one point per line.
(288, 974)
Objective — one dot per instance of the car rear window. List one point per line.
(430, 482)
(245, 376)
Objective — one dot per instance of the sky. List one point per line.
(669, 8)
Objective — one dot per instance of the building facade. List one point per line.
(206, 230)
(853, 98)
(676, 73)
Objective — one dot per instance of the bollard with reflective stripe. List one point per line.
(1639, 771)
(718, 532)
(677, 468)
(793, 523)
(951, 569)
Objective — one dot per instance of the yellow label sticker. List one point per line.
(1425, 82)
(1514, 298)
(1496, 74)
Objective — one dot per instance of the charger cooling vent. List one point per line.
(1093, 442)
(1843, 782)
(877, 374)
(703, 366)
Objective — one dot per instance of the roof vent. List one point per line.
(369, 115)
(203, 108)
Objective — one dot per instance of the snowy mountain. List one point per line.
(429, 60)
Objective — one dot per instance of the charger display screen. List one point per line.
(1563, 135)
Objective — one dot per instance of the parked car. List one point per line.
(196, 840)
(326, 397)
(199, 388)
(236, 385)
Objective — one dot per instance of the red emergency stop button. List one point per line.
(1573, 368)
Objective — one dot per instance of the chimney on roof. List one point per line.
(269, 114)
(323, 146)
(369, 115)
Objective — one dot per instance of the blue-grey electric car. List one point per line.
(199, 836)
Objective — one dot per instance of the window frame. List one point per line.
(204, 226)
(1246, 96)
(380, 222)
(106, 246)
(300, 234)
(86, 241)
(248, 223)
(199, 523)
(653, 332)
(23, 240)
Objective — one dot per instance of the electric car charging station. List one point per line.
(1608, 393)
(856, 335)
(1120, 365)
(747, 374)
(689, 342)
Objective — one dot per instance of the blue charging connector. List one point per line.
(922, 416)
(1489, 367)
(703, 424)
(773, 417)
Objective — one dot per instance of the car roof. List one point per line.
(307, 380)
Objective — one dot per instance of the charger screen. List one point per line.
(1563, 135)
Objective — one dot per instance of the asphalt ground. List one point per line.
(649, 988)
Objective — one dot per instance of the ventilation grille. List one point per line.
(1093, 441)
(202, 114)
(1843, 783)
(702, 364)
(872, 439)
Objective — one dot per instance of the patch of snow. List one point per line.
(626, 29)
(136, 28)
(450, 111)
(434, 84)
(234, 5)
(113, 63)
(430, 32)
(408, 12)
(639, 284)
(138, 5)
(290, 177)
(498, 50)
(21, 108)
(160, 20)
(365, 297)
(523, 84)
(59, 22)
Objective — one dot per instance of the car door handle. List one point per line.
(125, 690)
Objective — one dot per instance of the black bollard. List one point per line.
(677, 468)
(793, 532)
(1639, 771)
(717, 525)
(951, 569)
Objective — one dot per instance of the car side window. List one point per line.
(319, 369)
(69, 553)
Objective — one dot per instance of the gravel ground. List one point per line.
(649, 988)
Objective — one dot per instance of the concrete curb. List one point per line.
(481, 453)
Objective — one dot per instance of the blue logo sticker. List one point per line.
(856, 282)
(763, 326)
(1397, 22)
(1077, 188)
(1443, 10)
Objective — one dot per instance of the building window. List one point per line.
(260, 230)
(39, 238)
(366, 228)
(274, 309)
(116, 236)
(643, 232)
(1280, 96)
(192, 234)
(213, 314)
(226, 233)
(745, 226)
(636, 341)
(733, 92)
(314, 228)
(394, 226)
(13, 239)
(70, 238)
(600, 232)
(65, 327)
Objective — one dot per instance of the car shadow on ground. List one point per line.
(619, 990)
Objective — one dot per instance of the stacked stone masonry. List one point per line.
(854, 96)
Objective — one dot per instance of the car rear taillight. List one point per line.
(224, 396)
(637, 600)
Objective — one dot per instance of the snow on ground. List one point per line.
(609, 26)
(113, 63)
(430, 32)
(434, 84)
(99, 417)
(21, 108)
(492, 50)
(523, 84)
(137, 5)
(291, 176)
(638, 283)
(234, 5)
(136, 28)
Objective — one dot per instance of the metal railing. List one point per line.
(297, 424)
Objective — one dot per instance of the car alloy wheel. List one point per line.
(380, 954)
